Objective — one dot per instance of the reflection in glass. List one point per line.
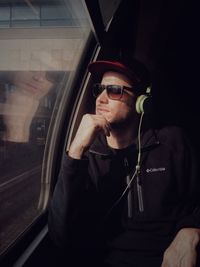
(23, 91)
(24, 12)
(37, 70)
(55, 12)
(27, 99)
(4, 13)
(27, 24)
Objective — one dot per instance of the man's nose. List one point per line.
(103, 97)
(39, 76)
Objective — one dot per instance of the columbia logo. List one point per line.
(161, 169)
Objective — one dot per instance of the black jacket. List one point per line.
(90, 210)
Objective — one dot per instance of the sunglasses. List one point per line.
(114, 92)
(54, 76)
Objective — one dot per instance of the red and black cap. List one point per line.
(132, 68)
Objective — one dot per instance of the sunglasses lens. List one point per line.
(114, 91)
(97, 89)
(54, 76)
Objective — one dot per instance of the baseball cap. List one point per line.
(132, 68)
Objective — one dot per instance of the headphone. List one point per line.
(144, 102)
(143, 105)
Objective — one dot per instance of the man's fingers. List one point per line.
(102, 124)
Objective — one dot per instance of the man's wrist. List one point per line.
(76, 152)
(190, 235)
(18, 134)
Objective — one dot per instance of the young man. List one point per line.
(123, 198)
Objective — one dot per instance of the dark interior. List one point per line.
(164, 35)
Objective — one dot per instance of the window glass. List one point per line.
(4, 13)
(4, 24)
(108, 9)
(37, 69)
(58, 22)
(55, 12)
(41, 13)
(25, 12)
(27, 23)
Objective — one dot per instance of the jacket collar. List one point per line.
(149, 140)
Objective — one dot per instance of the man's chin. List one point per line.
(103, 114)
(120, 124)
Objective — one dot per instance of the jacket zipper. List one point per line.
(140, 193)
(129, 198)
(130, 193)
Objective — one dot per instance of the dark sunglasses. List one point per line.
(54, 76)
(114, 92)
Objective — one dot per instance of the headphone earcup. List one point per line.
(143, 104)
(140, 103)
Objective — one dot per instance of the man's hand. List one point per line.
(89, 128)
(18, 112)
(182, 251)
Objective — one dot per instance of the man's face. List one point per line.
(32, 83)
(116, 111)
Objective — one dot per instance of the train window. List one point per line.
(108, 9)
(41, 44)
(4, 16)
(40, 13)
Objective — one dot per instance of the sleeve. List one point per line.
(191, 182)
(68, 200)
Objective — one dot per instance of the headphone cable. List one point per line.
(137, 167)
